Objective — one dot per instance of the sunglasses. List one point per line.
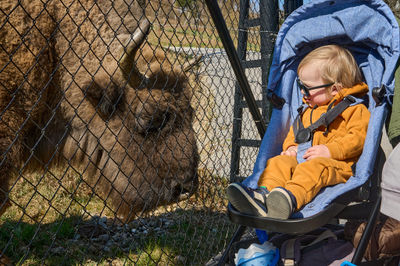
(307, 90)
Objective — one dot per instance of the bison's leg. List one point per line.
(4, 186)
(10, 149)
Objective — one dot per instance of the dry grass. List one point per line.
(45, 198)
(177, 36)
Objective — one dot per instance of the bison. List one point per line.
(79, 89)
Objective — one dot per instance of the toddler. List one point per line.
(316, 152)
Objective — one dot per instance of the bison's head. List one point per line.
(139, 144)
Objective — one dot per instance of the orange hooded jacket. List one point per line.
(346, 134)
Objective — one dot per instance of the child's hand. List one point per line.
(317, 151)
(291, 151)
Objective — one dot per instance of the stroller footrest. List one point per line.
(289, 226)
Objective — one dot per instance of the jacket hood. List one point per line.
(358, 90)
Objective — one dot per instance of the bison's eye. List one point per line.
(156, 123)
(149, 120)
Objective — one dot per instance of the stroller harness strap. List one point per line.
(304, 136)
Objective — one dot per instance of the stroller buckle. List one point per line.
(303, 135)
(378, 94)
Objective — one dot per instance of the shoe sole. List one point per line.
(279, 204)
(239, 198)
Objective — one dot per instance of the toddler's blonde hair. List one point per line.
(338, 65)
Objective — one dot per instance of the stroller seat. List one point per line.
(370, 31)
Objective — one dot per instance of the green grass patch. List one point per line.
(20, 241)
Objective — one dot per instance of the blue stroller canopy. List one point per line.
(370, 31)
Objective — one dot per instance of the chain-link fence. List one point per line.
(116, 134)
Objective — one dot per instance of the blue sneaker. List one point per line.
(247, 200)
(280, 203)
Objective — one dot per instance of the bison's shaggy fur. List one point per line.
(72, 96)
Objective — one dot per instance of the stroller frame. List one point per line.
(338, 208)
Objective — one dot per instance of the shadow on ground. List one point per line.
(180, 237)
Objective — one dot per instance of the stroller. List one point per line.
(370, 31)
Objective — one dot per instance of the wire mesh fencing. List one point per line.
(116, 131)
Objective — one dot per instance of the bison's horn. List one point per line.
(192, 63)
(127, 64)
